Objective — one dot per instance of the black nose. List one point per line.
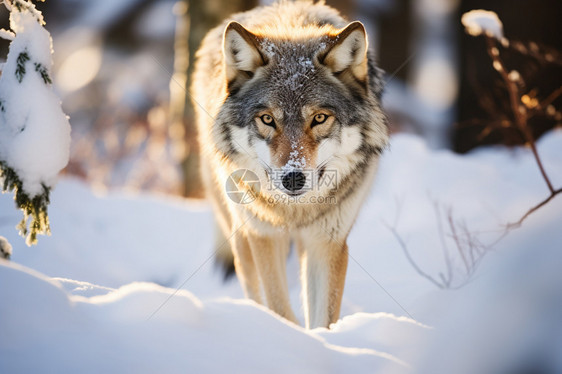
(294, 181)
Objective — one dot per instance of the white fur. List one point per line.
(263, 152)
(326, 150)
(329, 148)
(350, 140)
(240, 139)
(339, 155)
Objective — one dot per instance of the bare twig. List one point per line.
(533, 209)
(519, 110)
(455, 237)
(465, 242)
(448, 265)
(544, 55)
(409, 257)
(550, 99)
(521, 116)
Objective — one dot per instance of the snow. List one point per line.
(34, 132)
(295, 161)
(126, 282)
(6, 34)
(185, 335)
(511, 318)
(5, 248)
(268, 46)
(477, 22)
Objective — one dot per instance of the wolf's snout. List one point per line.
(294, 181)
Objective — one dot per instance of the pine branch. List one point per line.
(19, 6)
(23, 57)
(43, 72)
(35, 207)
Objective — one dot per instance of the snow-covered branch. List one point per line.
(5, 248)
(7, 34)
(478, 22)
(522, 105)
(34, 131)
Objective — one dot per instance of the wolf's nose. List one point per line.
(294, 181)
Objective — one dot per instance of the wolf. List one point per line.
(290, 94)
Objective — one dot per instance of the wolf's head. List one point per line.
(301, 104)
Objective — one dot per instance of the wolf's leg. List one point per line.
(323, 268)
(270, 255)
(245, 267)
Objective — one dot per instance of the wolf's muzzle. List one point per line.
(294, 181)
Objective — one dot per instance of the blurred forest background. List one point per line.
(121, 69)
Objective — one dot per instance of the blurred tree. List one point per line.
(394, 20)
(346, 7)
(194, 19)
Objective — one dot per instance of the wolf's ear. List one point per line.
(241, 52)
(348, 51)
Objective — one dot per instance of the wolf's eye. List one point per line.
(319, 119)
(268, 120)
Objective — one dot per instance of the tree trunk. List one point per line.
(194, 19)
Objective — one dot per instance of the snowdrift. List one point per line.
(126, 283)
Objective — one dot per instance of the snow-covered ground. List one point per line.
(99, 295)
